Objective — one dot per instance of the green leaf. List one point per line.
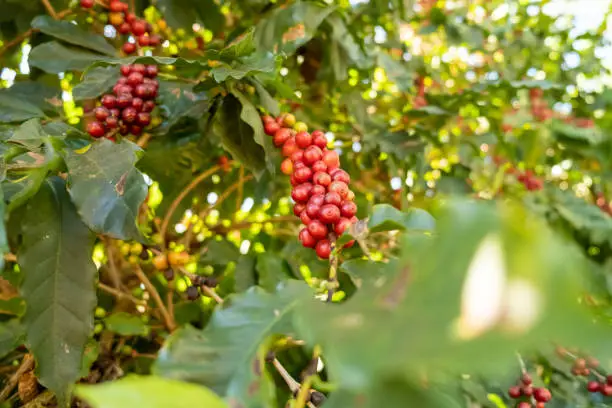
(250, 116)
(184, 13)
(568, 133)
(97, 81)
(90, 355)
(225, 355)
(387, 218)
(288, 28)
(58, 286)
(13, 109)
(267, 101)
(220, 253)
(125, 324)
(242, 67)
(245, 274)
(179, 100)
(12, 334)
(4, 247)
(106, 187)
(72, 34)
(238, 137)
(38, 94)
(151, 392)
(271, 270)
(54, 57)
(30, 135)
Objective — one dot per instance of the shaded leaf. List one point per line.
(30, 135)
(96, 81)
(386, 218)
(106, 187)
(54, 57)
(14, 109)
(151, 392)
(184, 13)
(179, 100)
(126, 324)
(271, 271)
(220, 253)
(224, 356)
(72, 34)
(12, 334)
(58, 285)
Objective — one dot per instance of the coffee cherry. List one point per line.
(290, 147)
(306, 239)
(300, 127)
(605, 389)
(514, 392)
(139, 27)
(108, 101)
(323, 249)
(116, 19)
(312, 154)
(125, 70)
(303, 140)
(119, 89)
(136, 130)
(305, 218)
(302, 174)
(193, 292)
(348, 209)
(329, 214)
(151, 70)
(129, 48)
(287, 167)
(318, 189)
(137, 104)
(331, 159)
(143, 40)
(140, 68)
(526, 378)
(117, 6)
(338, 187)
(129, 115)
(135, 79)
(297, 156)
(301, 193)
(298, 208)
(527, 390)
(96, 129)
(101, 113)
(542, 394)
(317, 199)
(148, 106)
(319, 165)
(317, 229)
(340, 175)
(169, 274)
(342, 225)
(143, 119)
(160, 262)
(271, 128)
(115, 112)
(288, 120)
(593, 386)
(321, 178)
(281, 136)
(124, 101)
(523, 405)
(350, 195)
(267, 119)
(319, 140)
(130, 17)
(124, 28)
(112, 122)
(124, 129)
(312, 210)
(87, 3)
(333, 198)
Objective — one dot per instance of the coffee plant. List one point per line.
(304, 203)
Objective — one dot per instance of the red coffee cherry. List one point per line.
(317, 229)
(129, 48)
(514, 392)
(151, 71)
(318, 190)
(290, 147)
(140, 68)
(342, 225)
(313, 210)
(125, 70)
(593, 386)
(143, 40)
(523, 404)
(87, 3)
(333, 198)
(312, 154)
(125, 28)
(306, 219)
(108, 101)
(148, 106)
(340, 175)
(323, 249)
(298, 156)
(119, 89)
(321, 178)
(302, 174)
(117, 6)
(331, 159)
(298, 208)
(301, 193)
(307, 240)
(124, 100)
(135, 79)
(129, 115)
(527, 390)
(143, 119)
(139, 27)
(605, 389)
(130, 17)
(542, 394)
(101, 113)
(348, 209)
(319, 166)
(115, 112)
(136, 130)
(319, 139)
(267, 119)
(281, 136)
(137, 104)
(317, 199)
(329, 214)
(112, 122)
(303, 140)
(96, 129)
(339, 187)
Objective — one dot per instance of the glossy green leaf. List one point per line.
(184, 13)
(14, 109)
(72, 34)
(271, 271)
(106, 187)
(96, 81)
(178, 100)
(237, 136)
(147, 391)
(126, 324)
(12, 334)
(54, 57)
(225, 355)
(220, 253)
(29, 135)
(58, 286)
(386, 218)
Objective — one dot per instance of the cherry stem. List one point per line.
(333, 270)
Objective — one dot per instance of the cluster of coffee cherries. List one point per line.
(585, 367)
(323, 200)
(530, 396)
(528, 178)
(128, 108)
(128, 23)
